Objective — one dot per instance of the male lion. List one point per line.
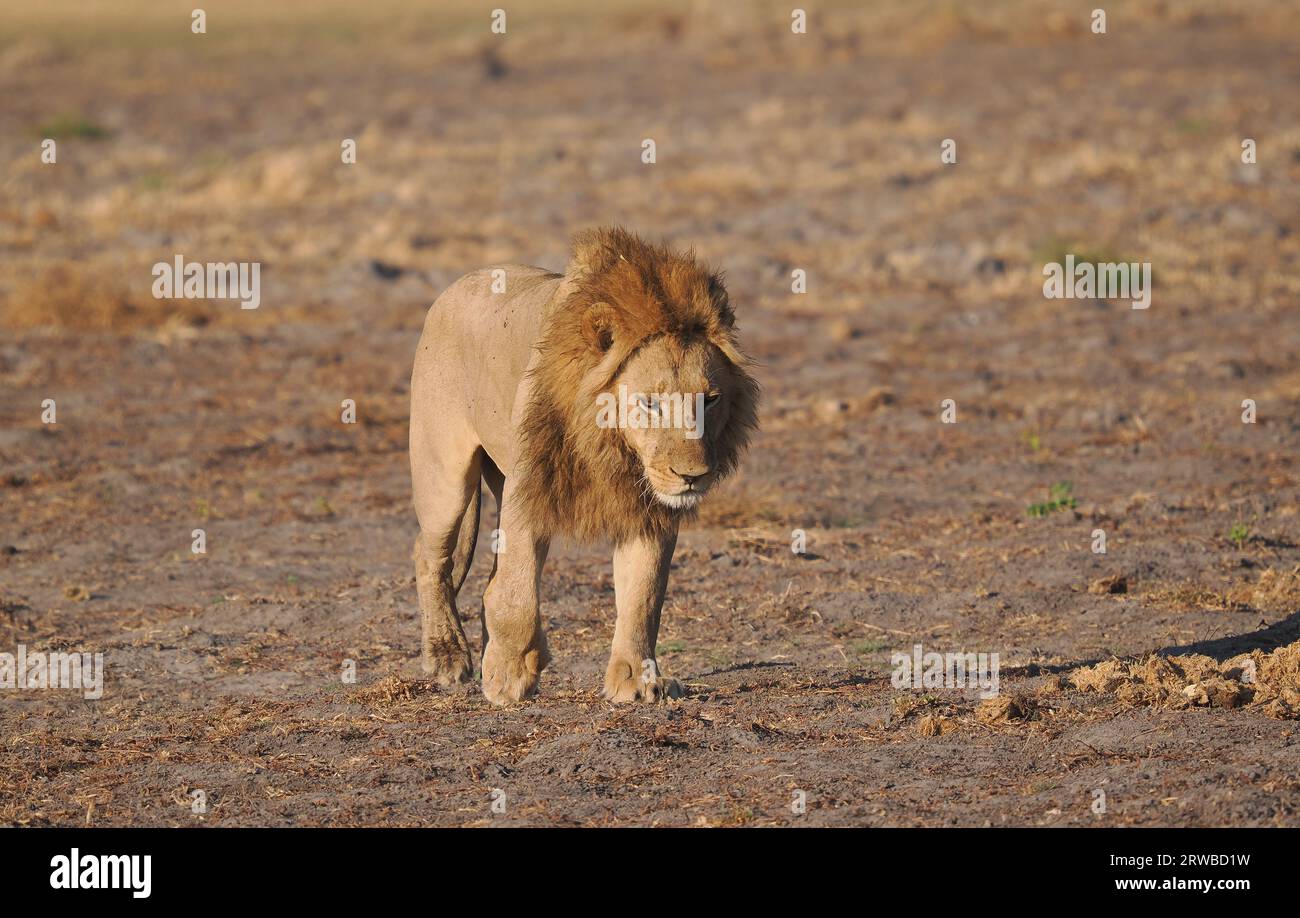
(509, 386)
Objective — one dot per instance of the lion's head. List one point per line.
(641, 401)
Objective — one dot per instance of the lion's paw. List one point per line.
(624, 683)
(450, 668)
(508, 678)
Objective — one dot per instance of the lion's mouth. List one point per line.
(683, 500)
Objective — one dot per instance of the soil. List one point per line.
(1158, 679)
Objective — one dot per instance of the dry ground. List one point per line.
(775, 152)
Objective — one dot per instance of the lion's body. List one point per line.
(473, 356)
(503, 391)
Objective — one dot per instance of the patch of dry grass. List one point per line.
(1277, 591)
(86, 298)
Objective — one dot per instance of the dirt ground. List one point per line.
(775, 152)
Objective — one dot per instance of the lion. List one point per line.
(600, 404)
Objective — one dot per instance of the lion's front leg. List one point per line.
(516, 653)
(640, 580)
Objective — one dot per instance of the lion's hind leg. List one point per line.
(447, 503)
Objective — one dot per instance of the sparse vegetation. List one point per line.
(70, 125)
(1056, 248)
(86, 297)
(1059, 497)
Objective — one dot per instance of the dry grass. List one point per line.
(78, 297)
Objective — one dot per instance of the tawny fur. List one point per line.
(625, 294)
(511, 366)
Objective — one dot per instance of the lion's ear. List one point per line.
(598, 326)
(721, 302)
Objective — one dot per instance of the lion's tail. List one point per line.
(465, 540)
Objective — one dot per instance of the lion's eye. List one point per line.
(711, 398)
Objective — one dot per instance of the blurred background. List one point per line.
(775, 151)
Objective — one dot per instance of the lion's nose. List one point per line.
(690, 477)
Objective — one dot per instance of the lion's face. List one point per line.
(678, 396)
(648, 336)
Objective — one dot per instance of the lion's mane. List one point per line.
(622, 293)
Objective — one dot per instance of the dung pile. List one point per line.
(1268, 682)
